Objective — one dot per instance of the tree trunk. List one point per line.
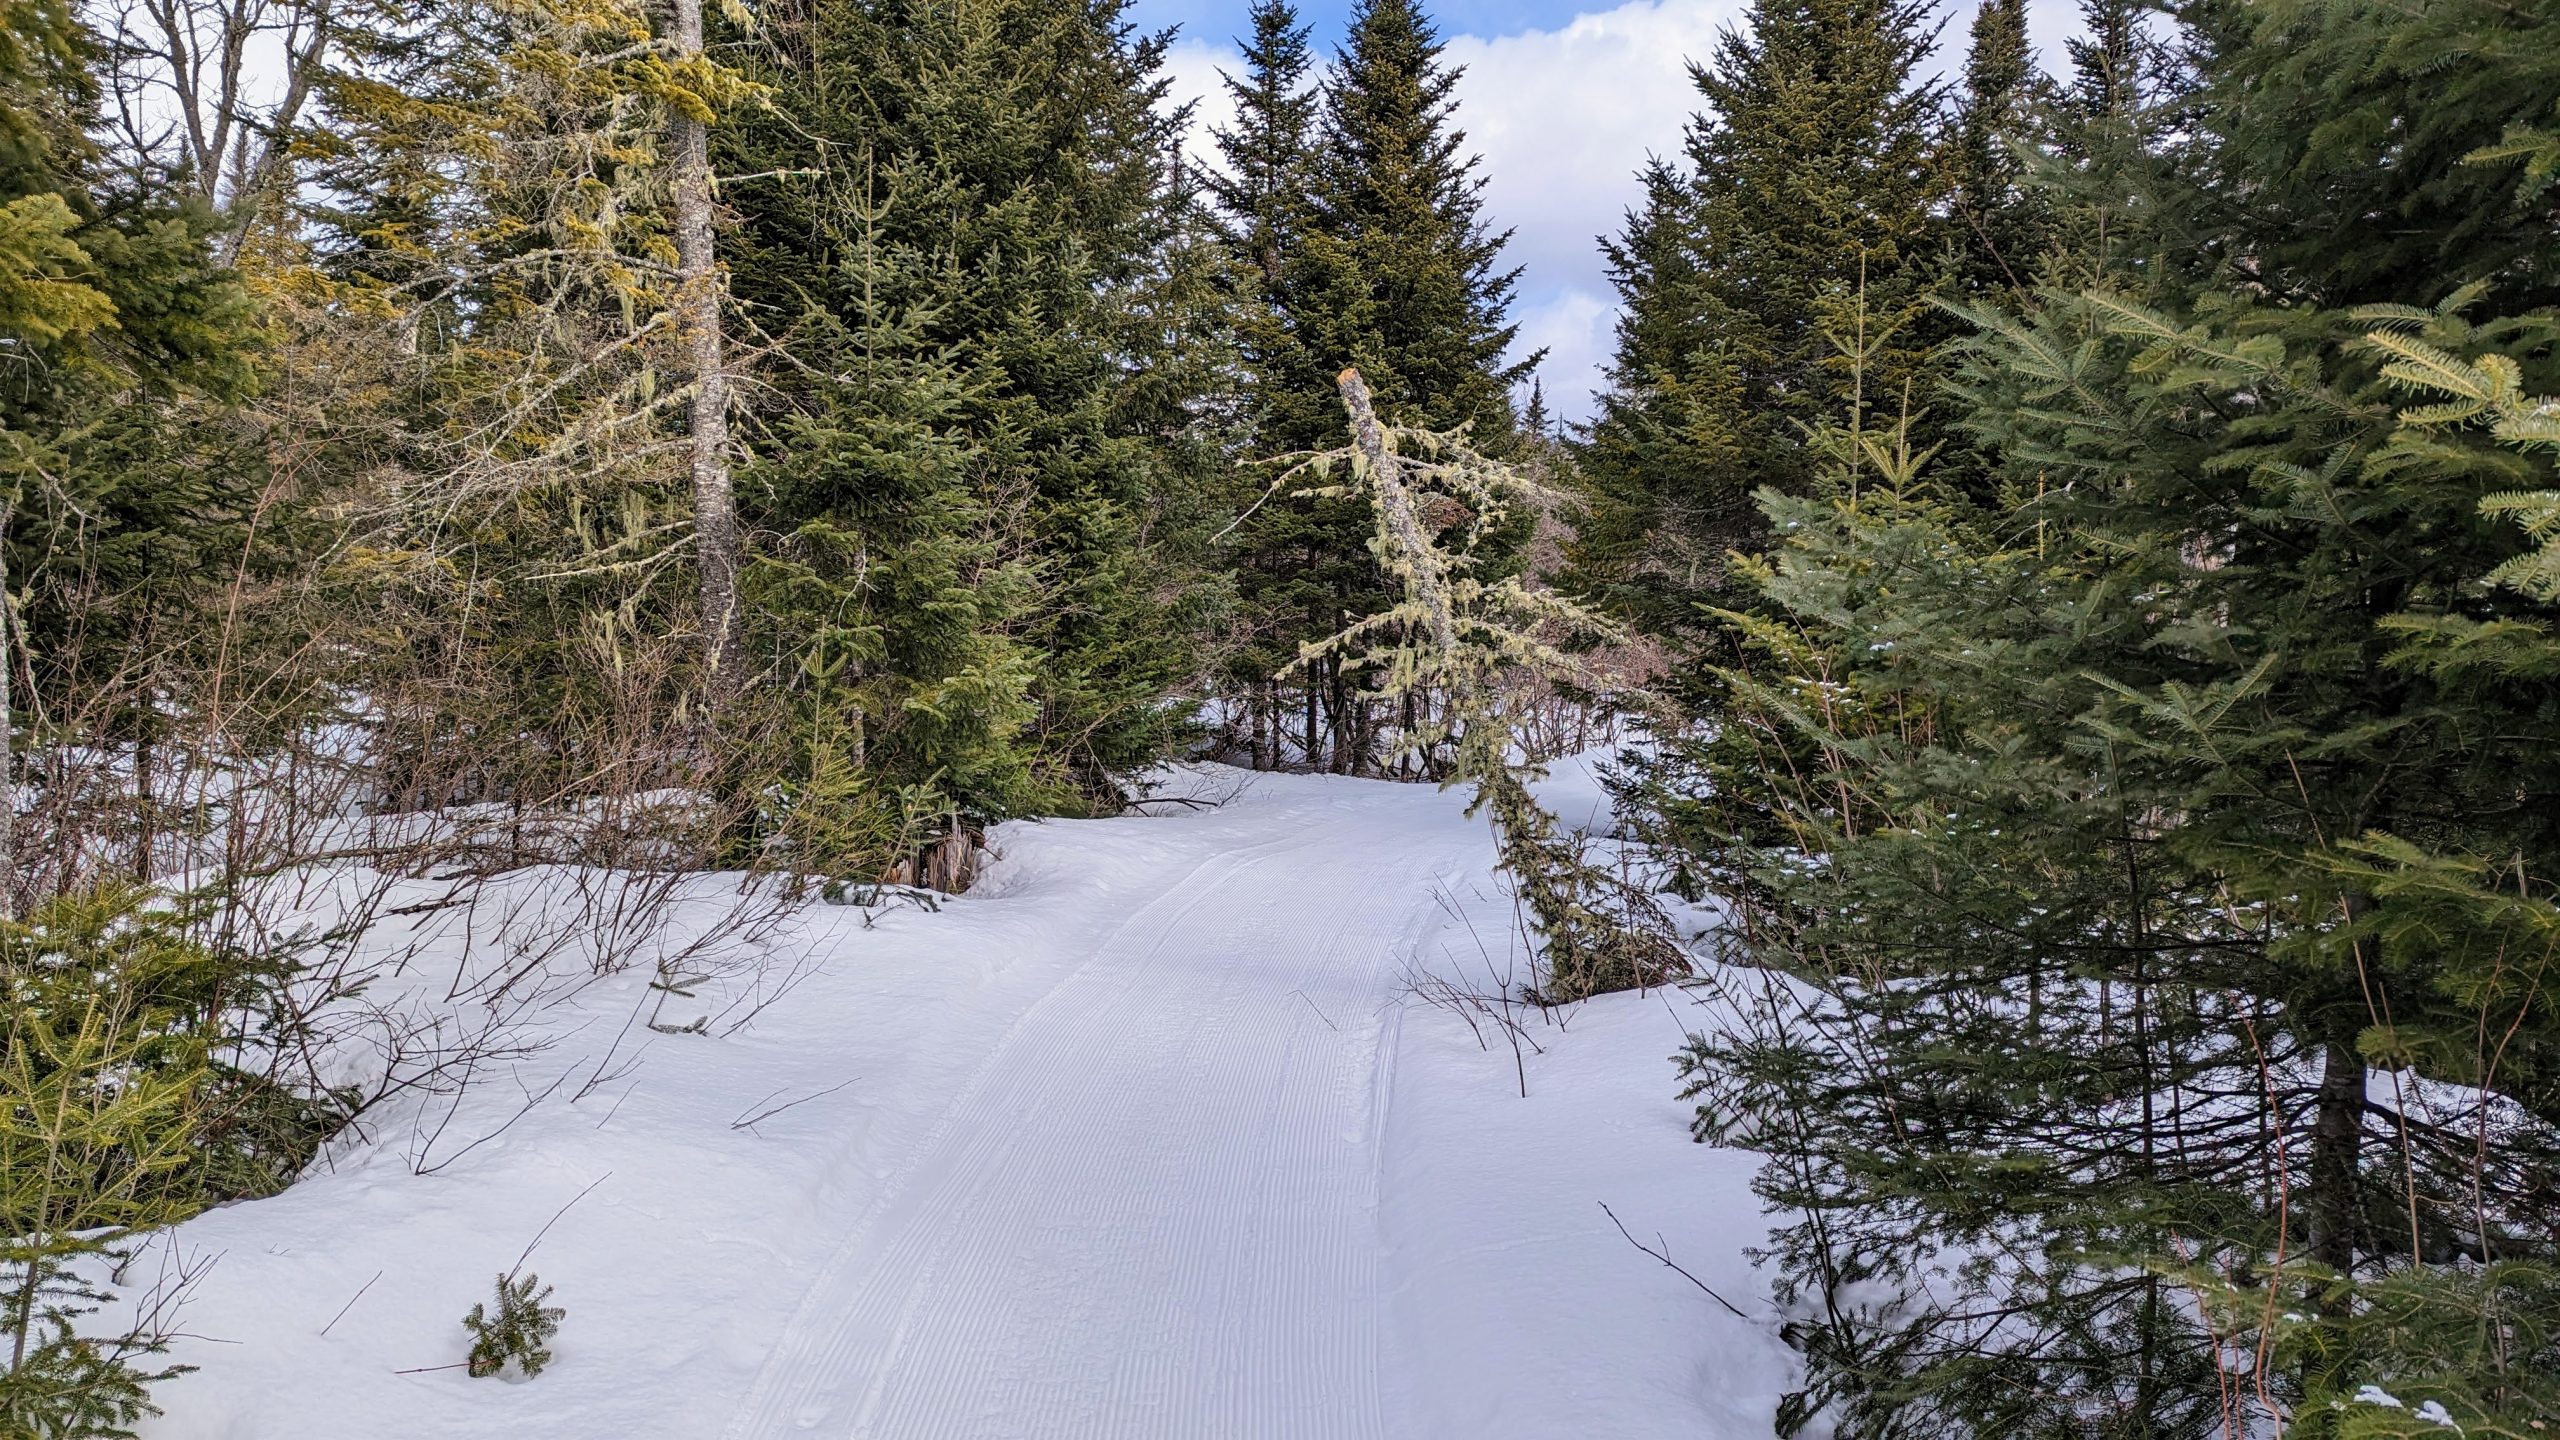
(1430, 572)
(8, 744)
(715, 510)
(2337, 1133)
(1266, 726)
(1314, 749)
(1337, 695)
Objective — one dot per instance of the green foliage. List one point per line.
(2471, 1351)
(520, 1331)
(1999, 226)
(1397, 272)
(1355, 216)
(105, 1086)
(2489, 387)
(2143, 824)
(1804, 227)
(2342, 113)
(116, 502)
(987, 479)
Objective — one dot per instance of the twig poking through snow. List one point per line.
(1328, 1020)
(1664, 1255)
(749, 1122)
(350, 1305)
(554, 1220)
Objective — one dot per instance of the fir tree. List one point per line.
(1392, 270)
(126, 483)
(104, 1096)
(2146, 809)
(1803, 228)
(518, 1333)
(997, 269)
(2356, 125)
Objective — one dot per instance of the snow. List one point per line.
(1152, 1135)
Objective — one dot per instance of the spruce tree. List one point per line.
(996, 465)
(125, 485)
(2124, 819)
(1805, 226)
(1263, 194)
(884, 575)
(1391, 269)
(1998, 239)
(108, 1092)
(1262, 191)
(1401, 274)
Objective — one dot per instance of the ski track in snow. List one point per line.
(1152, 1213)
(1144, 1140)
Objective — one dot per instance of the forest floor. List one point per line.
(1154, 1134)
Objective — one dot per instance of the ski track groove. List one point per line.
(1150, 1214)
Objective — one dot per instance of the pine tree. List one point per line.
(1662, 462)
(1391, 270)
(993, 467)
(1264, 205)
(2127, 818)
(1803, 228)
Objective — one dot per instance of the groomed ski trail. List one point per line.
(1153, 1210)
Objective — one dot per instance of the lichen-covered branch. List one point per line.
(1459, 637)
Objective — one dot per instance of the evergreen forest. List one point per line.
(2065, 560)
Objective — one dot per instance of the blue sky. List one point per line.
(1221, 20)
(1564, 102)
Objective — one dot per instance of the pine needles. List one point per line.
(518, 1332)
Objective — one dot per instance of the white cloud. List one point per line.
(1564, 118)
(1576, 327)
(1193, 69)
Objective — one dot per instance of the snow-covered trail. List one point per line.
(1152, 1210)
(1145, 1137)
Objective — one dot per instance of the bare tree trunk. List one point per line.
(2337, 1130)
(262, 176)
(1314, 749)
(715, 509)
(199, 59)
(1428, 581)
(8, 743)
